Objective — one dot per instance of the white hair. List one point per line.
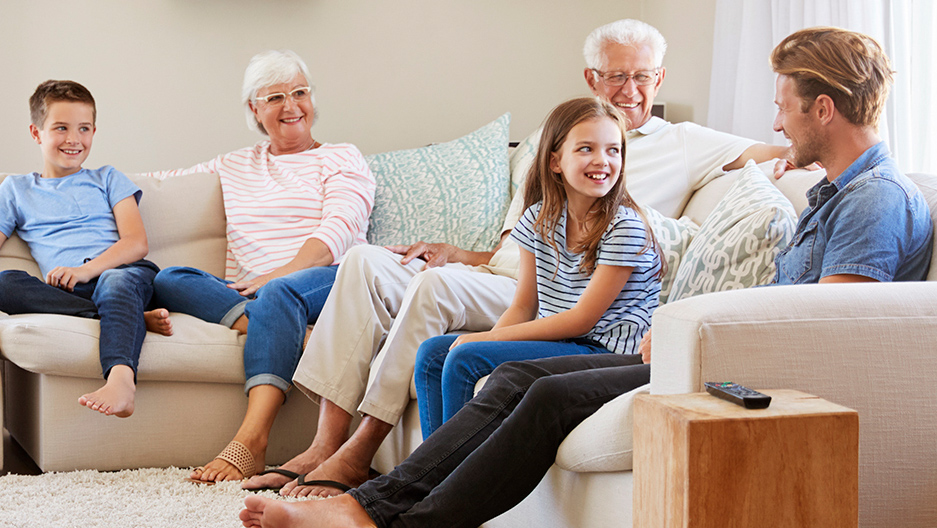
(628, 32)
(268, 68)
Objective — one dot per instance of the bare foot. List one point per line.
(158, 321)
(340, 467)
(116, 397)
(219, 470)
(301, 464)
(270, 513)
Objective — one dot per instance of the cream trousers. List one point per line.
(363, 346)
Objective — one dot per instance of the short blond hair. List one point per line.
(851, 68)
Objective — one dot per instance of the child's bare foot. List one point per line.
(158, 321)
(338, 511)
(116, 396)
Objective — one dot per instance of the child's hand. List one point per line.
(471, 338)
(66, 278)
(644, 348)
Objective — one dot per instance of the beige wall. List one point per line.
(390, 75)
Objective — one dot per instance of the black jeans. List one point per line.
(495, 451)
(118, 297)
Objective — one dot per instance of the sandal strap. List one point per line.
(239, 456)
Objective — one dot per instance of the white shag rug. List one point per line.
(136, 498)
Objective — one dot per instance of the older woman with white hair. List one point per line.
(294, 206)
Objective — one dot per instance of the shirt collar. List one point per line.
(652, 125)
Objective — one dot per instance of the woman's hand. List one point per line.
(249, 287)
(66, 278)
(472, 338)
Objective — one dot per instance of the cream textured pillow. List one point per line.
(737, 243)
(522, 157)
(455, 192)
(674, 237)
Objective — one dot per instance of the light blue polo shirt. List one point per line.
(65, 221)
(870, 221)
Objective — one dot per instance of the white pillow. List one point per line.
(737, 243)
(674, 237)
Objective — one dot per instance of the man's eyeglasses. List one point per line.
(616, 78)
(276, 99)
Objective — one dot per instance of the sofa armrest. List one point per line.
(869, 347)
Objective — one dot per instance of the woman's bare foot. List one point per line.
(301, 464)
(116, 397)
(219, 470)
(338, 511)
(158, 321)
(340, 467)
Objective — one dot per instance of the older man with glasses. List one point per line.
(383, 307)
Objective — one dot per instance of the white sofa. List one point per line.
(817, 339)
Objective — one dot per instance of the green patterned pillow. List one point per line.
(737, 243)
(674, 237)
(455, 192)
(522, 157)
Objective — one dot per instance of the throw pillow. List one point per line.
(522, 157)
(674, 237)
(737, 243)
(455, 192)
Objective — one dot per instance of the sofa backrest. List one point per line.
(184, 219)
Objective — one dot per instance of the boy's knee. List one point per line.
(11, 277)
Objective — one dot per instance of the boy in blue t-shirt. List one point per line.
(84, 229)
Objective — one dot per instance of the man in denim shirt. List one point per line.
(865, 221)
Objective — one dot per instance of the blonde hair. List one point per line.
(849, 67)
(543, 185)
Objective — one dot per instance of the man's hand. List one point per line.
(250, 287)
(435, 255)
(785, 164)
(66, 278)
(644, 348)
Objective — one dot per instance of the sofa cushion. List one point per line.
(737, 243)
(455, 192)
(674, 236)
(612, 424)
(522, 157)
(68, 346)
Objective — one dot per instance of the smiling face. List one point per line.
(589, 160)
(799, 127)
(65, 137)
(288, 125)
(634, 100)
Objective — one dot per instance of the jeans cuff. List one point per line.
(234, 314)
(366, 504)
(267, 379)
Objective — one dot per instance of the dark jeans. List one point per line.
(495, 451)
(118, 297)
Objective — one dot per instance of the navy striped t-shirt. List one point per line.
(627, 319)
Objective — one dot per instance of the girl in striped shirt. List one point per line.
(590, 267)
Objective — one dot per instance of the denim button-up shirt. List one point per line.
(870, 221)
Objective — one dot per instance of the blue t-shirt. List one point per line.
(870, 221)
(65, 221)
(627, 319)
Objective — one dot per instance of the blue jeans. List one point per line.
(445, 380)
(277, 314)
(496, 450)
(118, 297)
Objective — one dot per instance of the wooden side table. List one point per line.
(700, 461)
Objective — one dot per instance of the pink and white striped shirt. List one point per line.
(274, 204)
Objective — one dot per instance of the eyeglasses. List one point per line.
(276, 99)
(616, 78)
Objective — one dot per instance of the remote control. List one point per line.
(738, 394)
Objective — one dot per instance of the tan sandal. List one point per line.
(239, 456)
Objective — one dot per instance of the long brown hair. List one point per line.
(546, 186)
